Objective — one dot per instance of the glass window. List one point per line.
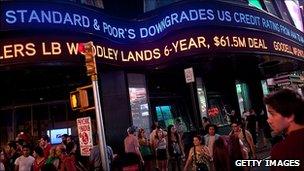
(150, 5)
(243, 97)
(202, 99)
(270, 7)
(96, 3)
(295, 13)
(255, 3)
(283, 11)
(139, 101)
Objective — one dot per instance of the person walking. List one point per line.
(199, 156)
(39, 159)
(131, 144)
(210, 137)
(160, 146)
(245, 138)
(175, 148)
(145, 149)
(24, 162)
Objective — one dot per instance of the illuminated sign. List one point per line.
(198, 41)
(149, 27)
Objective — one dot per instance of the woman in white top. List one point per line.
(160, 146)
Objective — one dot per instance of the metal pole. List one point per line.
(100, 127)
(90, 53)
(195, 113)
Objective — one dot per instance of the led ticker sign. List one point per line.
(198, 41)
(149, 27)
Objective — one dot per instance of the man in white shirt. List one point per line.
(211, 137)
(24, 162)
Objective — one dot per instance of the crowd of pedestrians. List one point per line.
(23, 155)
(166, 149)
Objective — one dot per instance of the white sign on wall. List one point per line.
(189, 76)
(85, 135)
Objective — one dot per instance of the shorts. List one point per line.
(161, 154)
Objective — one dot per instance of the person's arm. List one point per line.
(251, 143)
(136, 143)
(207, 153)
(189, 159)
(16, 164)
(181, 147)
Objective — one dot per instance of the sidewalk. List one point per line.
(262, 153)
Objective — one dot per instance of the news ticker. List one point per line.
(267, 163)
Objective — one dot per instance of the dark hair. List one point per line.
(64, 136)
(45, 138)
(200, 138)
(12, 144)
(69, 147)
(211, 125)
(287, 102)
(170, 142)
(25, 146)
(221, 155)
(131, 129)
(39, 151)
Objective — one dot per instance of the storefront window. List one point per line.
(201, 93)
(139, 101)
(283, 11)
(150, 5)
(295, 13)
(164, 116)
(270, 7)
(264, 87)
(243, 97)
(96, 3)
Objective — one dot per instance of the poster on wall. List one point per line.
(85, 135)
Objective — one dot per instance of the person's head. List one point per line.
(38, 152)
(197, 140)
(232, 112)
(25, 150)
(44, 140)
(171, 129)
(205, 119)
(252, 111)
(69, 139)
(20, 143)
(211, 129)
(64, 138)
(11, 147)
(141, 133)
(178, 120)
(284, 108)
(236, 126)
(60, 150)
(131, 130)
(159, 134)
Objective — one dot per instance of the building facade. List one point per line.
(184, 59)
